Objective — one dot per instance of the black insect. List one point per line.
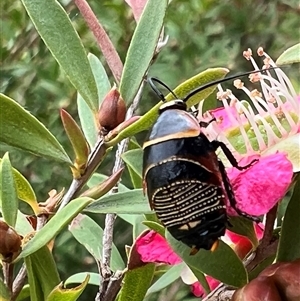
(185, 182)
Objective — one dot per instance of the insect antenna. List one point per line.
(219, 81)
(152, 80)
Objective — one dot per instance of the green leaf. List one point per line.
(290, 56)
(75, 135)
(36, 293)
(136, 220)
(42, 273)
(244, 227)
(181, 91)
(55, 28)
(88, 233)
(261, 266)
(142, 48)
(99, 178)
(201, 278)
(205, 77)
(155, 227)
(289, 242)
(86, 115)
(132, 201)
(21, 129)
(4, 293)
(166, 279)
(222, 264)
(24, 294)
(95, 278)
(135, 178)
(8, 193)
(24, 190)
(63, 294)
(103, 187)
(54, 226)
(136, 283)
(134, 159)
(23, 226)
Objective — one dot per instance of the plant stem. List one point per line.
(111, 284)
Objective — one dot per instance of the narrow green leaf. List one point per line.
(181, 91)
(24, 294)
(54, 226)
(42, 271)
(166, 279)
(86, 115)
(244, 227)
(290, 56)
(99, 178)
(207, 76)
(23, 227)
(59, 35)
(101, 78)
(142, 48)
(103, 187)
(289, 242)
(156, 227)
(63, 294)
(95, 278)
(36, 293)
(201, 278)
(4, 293)
(134, 159)
(222, 264)
(24, 190)
(88, 233)
(132, 201)
(8, 193)
(135, 178)
(75, 135)
(261, 266)
(21, 129)
(136, 283)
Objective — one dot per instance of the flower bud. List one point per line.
(10, 242)
(112, 111)
(259, 289)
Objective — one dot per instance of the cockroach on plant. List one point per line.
(185, 182)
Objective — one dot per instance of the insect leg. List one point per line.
(230, 194)
(230, 156)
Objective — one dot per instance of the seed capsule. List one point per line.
(112, 111)
(10, 241)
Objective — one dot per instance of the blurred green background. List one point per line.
(202, 34)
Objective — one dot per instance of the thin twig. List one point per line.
(108, 289)
(18, 283)
(8, 269)
(111, 56)
(95, 158)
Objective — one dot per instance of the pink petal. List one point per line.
(236, 238)
(152, 247)
(260, 187)
(198, 290)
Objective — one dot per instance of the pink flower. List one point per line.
(198, 290)
(152, 247)
(260, 187)
(266, 123)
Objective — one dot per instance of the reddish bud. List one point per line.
(10, 242)
(277, 282)
(112, 111)
(260, 289)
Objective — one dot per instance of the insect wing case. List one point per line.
(183, 180)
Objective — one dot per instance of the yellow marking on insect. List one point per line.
(214, 246)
